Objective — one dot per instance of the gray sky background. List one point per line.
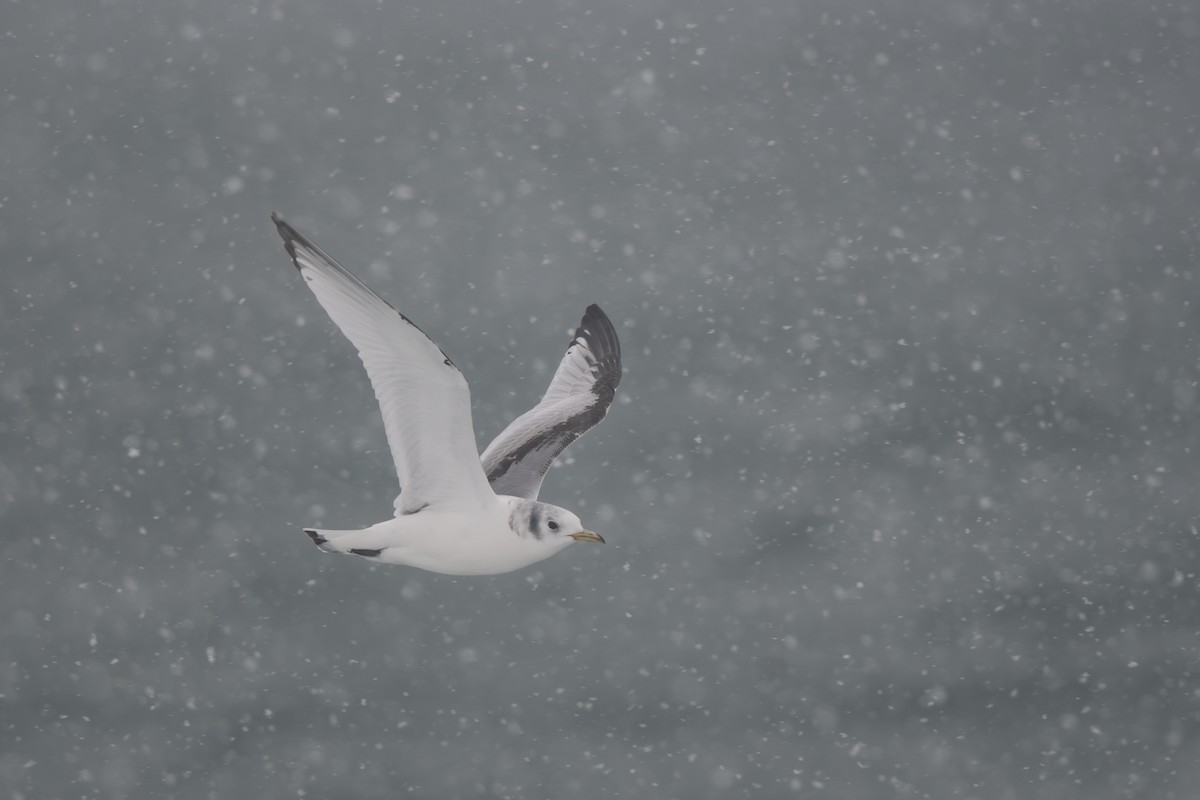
(899, 486)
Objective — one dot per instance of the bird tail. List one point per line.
(326, 540)
(356, 543)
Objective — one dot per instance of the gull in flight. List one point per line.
(459, 513)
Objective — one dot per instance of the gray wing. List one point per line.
(579, 396)
(424, 399)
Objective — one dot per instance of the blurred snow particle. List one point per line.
(723, 777)
(935, 696)
(669, 136)
(211, 653)
(233, 185)
(268, 132)
(825, 718)
(343, 38)
(349, 205)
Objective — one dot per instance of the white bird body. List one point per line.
(449, 517)
(481, 542)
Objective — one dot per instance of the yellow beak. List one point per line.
(588, 536)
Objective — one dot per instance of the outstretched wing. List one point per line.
(424, 399)
(579, 396)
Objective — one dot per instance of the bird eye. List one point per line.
(552, 525)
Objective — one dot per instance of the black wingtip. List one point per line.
(317, 538)
(290, 237)
(598, 331)
(286, 231)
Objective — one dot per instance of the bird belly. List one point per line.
(457, 544)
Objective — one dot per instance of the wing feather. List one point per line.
(579, 396)
(424, 399)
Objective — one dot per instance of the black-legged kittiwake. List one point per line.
(459, 513)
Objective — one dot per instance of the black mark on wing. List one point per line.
(359, 551)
